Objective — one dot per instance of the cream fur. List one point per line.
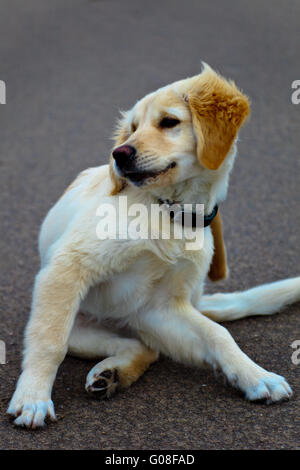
(152, 287)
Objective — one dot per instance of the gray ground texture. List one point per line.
(69, 66)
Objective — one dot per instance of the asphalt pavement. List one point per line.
(69, 67)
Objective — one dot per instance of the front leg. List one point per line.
(59, 288)
(183, 333)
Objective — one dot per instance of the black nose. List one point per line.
(124, 156)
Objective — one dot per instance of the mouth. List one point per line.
(138, 177)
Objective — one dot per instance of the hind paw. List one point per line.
(102, 384)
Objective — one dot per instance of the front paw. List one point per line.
(31, 413)
(271, 388)
(261, 385)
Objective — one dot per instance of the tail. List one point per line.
(261, 300)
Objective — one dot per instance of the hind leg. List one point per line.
(126, 358)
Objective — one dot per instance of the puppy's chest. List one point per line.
(145, 283)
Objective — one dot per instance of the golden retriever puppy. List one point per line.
(175, 146)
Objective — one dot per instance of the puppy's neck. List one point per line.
(208, 188)
(190, 191)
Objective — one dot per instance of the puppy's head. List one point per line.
(177, 131)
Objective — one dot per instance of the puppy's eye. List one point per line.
(133, 127)
(168, 122)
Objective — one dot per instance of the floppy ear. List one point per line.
(119, 137)
(218, 110)
(218, 268)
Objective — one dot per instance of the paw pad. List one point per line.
(104, 384)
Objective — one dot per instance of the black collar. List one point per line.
(207, 218)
